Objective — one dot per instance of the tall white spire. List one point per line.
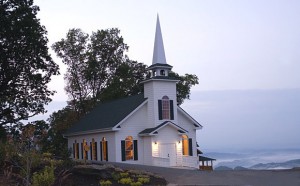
(159, 51)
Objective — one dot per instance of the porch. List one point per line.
(206, 163)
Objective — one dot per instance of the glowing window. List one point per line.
(84, 149)
(185, 145)
(104, 149)
(165, 107)
(129, 148)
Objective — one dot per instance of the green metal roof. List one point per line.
(107, 115)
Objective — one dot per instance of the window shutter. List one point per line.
(74, 150)
(135, 149)
(190, 146)
(91, 151)
(96, 151)
(106, 150)
(82, 151)
(171, 110)
(101, 158)
(123, 150)
(159, 109)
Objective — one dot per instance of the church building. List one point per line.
(147, 129)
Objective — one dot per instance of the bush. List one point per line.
(44, 178)
(144, 180)
(125, 181)
(115, 176)
(2, 154)
(105, 183)
(124, 174)
(136, 184)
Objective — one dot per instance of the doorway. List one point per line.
(168, 151)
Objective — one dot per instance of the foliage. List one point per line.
(62, 175)
(2, 134)
(136, 183)
(184, 85)
(124, 174)
(22, 153)
(92, 63)
(105, 182)
(116, 176)
(45, 178)
(126, 81)
(125, 181)
(59, 122)
(25, 64)
(2, 153)
(144, 180)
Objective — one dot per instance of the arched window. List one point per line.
(104, 151)
(84, 149)
(93, 149)
(185, 145)
(129, 147)
(165, 107)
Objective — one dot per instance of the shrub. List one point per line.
(115, 176)
(125, 181)
(124, 174)
(44, 178)
(144, 180)
(105, 182)
(136, 184)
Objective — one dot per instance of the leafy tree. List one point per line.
(92, 62)
(22, 153)
(126, 82)
(184, 85)
(25, 64)
(59, 122)
(98, 69)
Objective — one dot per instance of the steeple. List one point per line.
(159, 68)
(159, 51)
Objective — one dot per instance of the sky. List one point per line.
(244, 52)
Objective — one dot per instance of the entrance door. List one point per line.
(168, 151)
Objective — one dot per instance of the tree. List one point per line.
(99, 70)
(184, 85)
(59, 122)
(25, 64)
(126, 81)
(93, 65)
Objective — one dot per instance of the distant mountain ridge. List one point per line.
(266, 166)
(283, 165)
(261, 159)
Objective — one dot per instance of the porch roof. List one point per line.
(203, 158)
(153, 131)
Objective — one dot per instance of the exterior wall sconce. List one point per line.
(155, 142)
(179, 141)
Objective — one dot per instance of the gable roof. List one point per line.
(196, 123)
(106, 115)
(153, 131)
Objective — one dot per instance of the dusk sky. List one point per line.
(245, 52)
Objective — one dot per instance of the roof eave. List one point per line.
(151, 79)
(199, 126)
(123, 120)
(88, 132)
